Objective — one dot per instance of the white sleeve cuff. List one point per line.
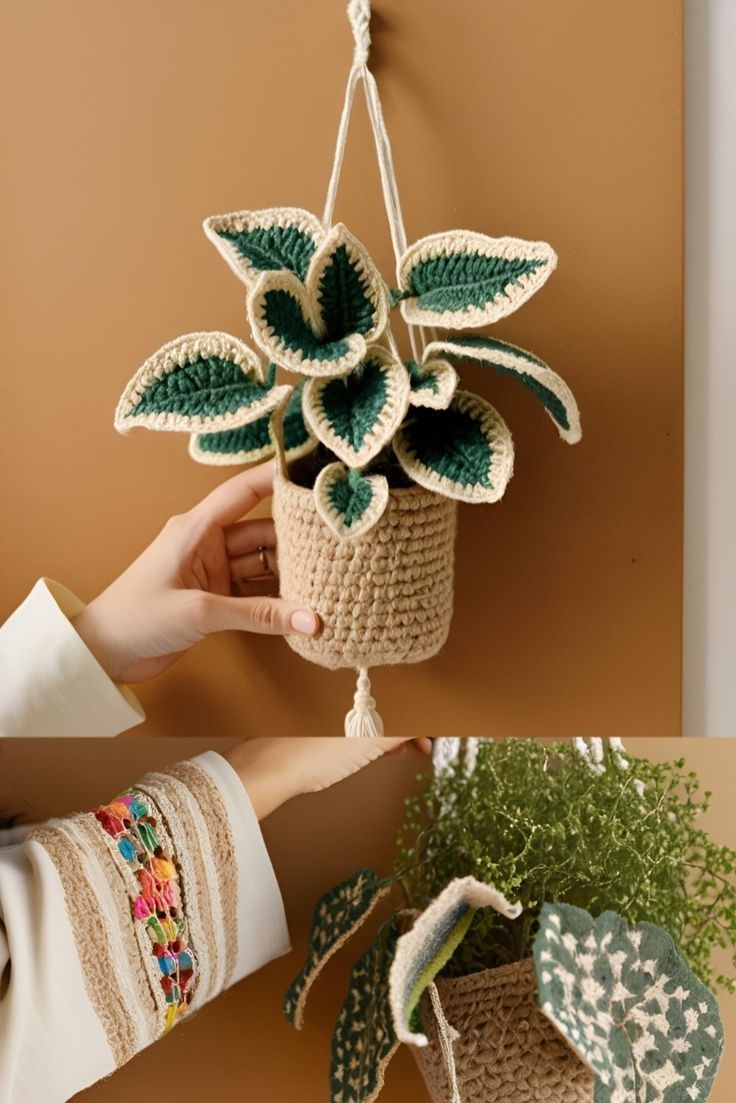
(50, 683)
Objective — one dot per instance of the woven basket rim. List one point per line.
(487, 978)
(396, 494)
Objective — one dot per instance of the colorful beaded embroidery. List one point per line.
(158, 905)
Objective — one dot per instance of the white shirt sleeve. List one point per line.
(50, 683)
(80, 990)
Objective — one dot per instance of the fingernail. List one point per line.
(304, 622)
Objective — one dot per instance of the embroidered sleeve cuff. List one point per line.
(51, 683)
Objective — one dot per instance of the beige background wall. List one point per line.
(126, 123)
(240, 1047)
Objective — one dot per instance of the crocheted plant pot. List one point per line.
(385, 597)
(507, 1051)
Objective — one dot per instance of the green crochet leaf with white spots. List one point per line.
(266, 241)
(464, 452)
(201, 382)
(250, 443)
(433, 384)
(627, 1003)
(349, 503)
(356, 416)
(551, 390)
(461, 280)
(338, 914)
(364, 1040)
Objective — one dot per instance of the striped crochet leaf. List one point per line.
(460, 280)
(247, 444)
(425, 950)
(265, 241)
(551, 390)
(337, 916)
(464, 452)
(364, 1040)
(298, 438)
(356, 416)
(628, 1004)
(349, 503)
(433, 384)
(201, 382)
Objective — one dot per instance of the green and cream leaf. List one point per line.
(349, 503)
(249, 443)
(464, 452)
(625, 1000)
(460, 279)
(337, 916)
(346, 289)
(551, 390)
(433, 384)
(357, 415)
(201, 382)
(288, 330)
(265, 241)
(298, 437)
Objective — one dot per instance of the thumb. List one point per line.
(269, 616)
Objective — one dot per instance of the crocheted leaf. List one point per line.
(247, 444)
(346, 291)
(287, 329)
(298, 438)
(357, 415)
(349, 503)
(627, 1003)
(463, 452)
(338, 914)
(551, 390)
(198, 383)
(460, 279)
(424, 950)
(364, 1040)
(264, 241)
(433, 384)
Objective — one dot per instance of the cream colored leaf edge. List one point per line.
(369, 275)
(333, 518)
(386, 424)
(266, 219)
(447, 380)
(177, 354)
(228, 459)
(467, 241)
(518, 360)
(501, 467)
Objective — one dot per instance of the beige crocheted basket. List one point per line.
(385, 597)
(507, 1052)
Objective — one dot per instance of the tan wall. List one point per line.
(240, 1047)
(126, 123)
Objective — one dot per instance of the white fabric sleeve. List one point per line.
(50, 683)
(176, 865)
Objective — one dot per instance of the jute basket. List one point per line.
(385, 597)
(507, 1052)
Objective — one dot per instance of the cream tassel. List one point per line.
(363, 722)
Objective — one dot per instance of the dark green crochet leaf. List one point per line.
(451, 444)
(283, 312)
(273, 248)
(248, 438)
(337, 916)
(421, 381)
(204, 388)
(364, 1040)
(296, 433)
(351, 497)
(463, 280)
(352, 405)
(344, 297)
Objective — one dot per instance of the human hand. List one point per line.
(275, 770)
(183, 586)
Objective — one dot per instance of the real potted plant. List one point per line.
(554, 914)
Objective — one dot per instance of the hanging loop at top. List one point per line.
(359, 14)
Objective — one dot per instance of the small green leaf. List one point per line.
(356, 416)
(345, 288)
(433, 384)
(247, 444)
(298, 440)
(349, 503)
(364, 1040)
(551, 390)
(199, 382)
(263, 241)
(460, 279)
(338, 914)
(463, 452)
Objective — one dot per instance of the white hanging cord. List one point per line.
(446, 1036)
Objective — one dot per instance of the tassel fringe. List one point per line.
(363, 722)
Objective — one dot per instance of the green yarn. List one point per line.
(344, 298)
(459, 281)
(421, 380)
(203, 388)
(248, 438)
(284, 314)
(351, 497)
(451, 444)
(273, 248)
(353, 404)
(295, 429)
